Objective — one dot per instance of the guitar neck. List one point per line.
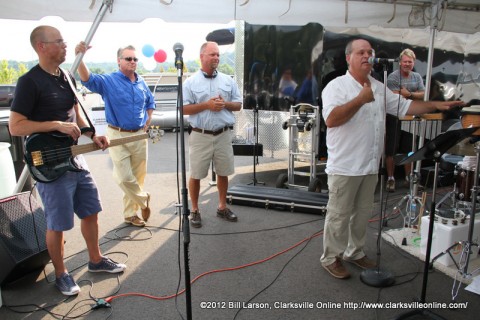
(89, 147)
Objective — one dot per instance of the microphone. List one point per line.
(178, 49)
(373, 60)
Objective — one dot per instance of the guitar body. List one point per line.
(49, 156)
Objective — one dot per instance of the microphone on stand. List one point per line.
(178, 49)
(373, 60)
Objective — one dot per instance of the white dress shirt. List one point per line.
(356, 147)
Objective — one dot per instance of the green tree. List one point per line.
(225, 68)
(22, 69)
(97, 70)
(8, 75)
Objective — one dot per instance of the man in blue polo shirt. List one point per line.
(129, 105)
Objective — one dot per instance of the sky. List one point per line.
(108, 38)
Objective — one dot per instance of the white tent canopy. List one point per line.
(462, 16)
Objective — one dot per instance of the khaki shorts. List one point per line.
(205, 148)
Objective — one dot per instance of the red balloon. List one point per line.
(160, 56)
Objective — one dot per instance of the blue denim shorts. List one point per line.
(74, 192)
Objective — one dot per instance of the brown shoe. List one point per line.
(196, 219)
(337, 269)
(390, 185)
(227, 214)
(363, 263)
(146, 210)
(135, 221)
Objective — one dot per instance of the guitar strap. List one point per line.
(68, 75)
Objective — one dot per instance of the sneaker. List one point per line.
(106, 265)
(196, 219)
(146, 210)
(67, 285)
(391, 185)
(135, 221)
(227, 214)
(363, 263)
(337, 269)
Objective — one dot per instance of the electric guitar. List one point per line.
(49, 155)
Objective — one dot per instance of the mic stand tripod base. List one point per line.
(377, 277)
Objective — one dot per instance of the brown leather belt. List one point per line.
(215, 133)
(122, 130)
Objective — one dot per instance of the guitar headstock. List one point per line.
(155, 133)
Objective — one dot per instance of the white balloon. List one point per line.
(149, 64)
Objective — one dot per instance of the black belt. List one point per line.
(122, 130)
(215, 133)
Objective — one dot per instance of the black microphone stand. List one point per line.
(377, 277)
(255, 146)
(184, 192)
(424, 311)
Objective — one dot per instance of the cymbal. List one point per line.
(463, 148)
(435, 148)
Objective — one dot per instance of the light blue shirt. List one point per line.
(198, 89)
(126, 102)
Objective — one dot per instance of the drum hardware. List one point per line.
(412, 202)
(467, 246)
(460, 195)
(451, 194)
(434, 150)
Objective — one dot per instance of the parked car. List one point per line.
(7, 92)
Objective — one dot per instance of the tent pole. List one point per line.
(101, 13)
(428, 79)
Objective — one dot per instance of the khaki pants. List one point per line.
(129, 170)
(349, 207)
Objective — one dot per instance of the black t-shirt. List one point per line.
(40, 96)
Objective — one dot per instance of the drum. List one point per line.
(464, 181)
(470, 117)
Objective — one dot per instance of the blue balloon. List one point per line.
(148, 50)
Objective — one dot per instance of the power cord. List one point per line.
(105, 302)
(111, 298)
(281, 270)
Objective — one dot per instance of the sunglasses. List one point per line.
(129, 59)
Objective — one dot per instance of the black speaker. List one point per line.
(23, 246)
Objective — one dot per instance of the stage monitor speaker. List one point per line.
(22, 237)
